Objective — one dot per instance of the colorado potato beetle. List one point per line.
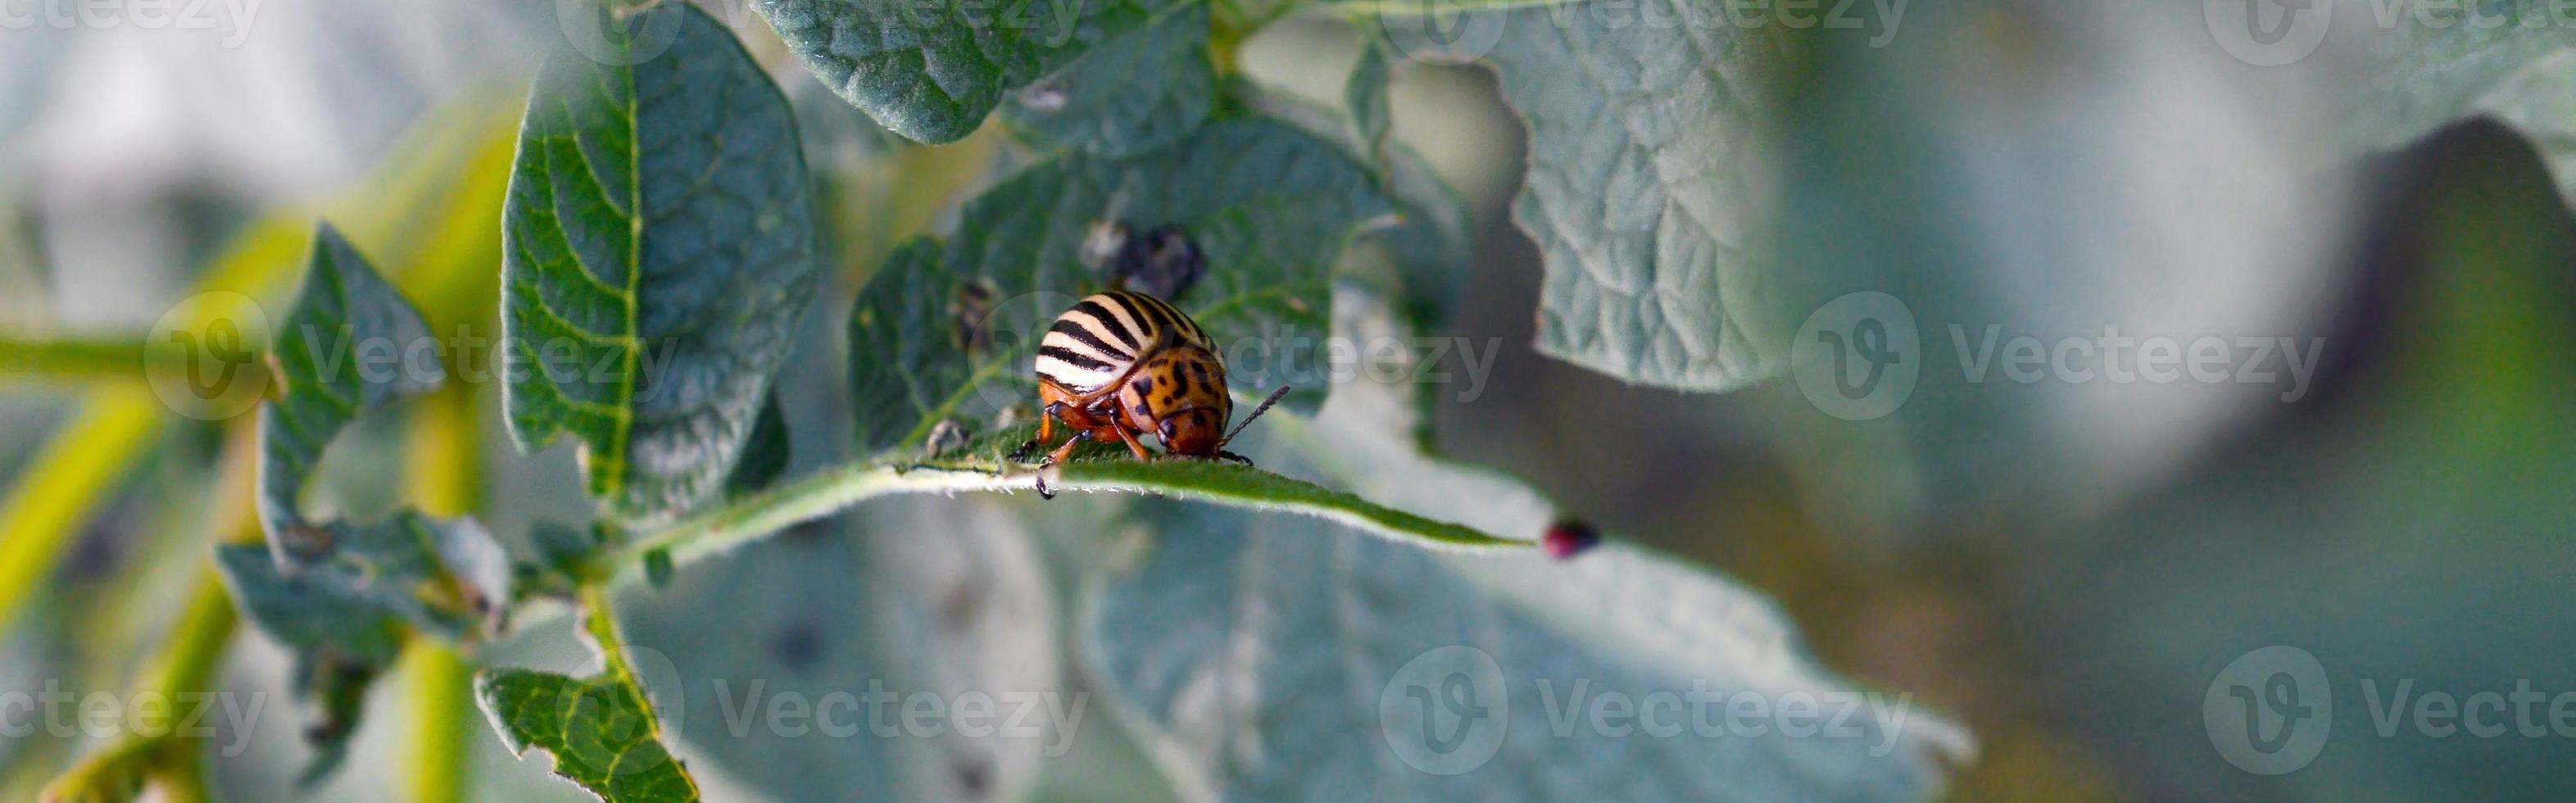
(1124, 363)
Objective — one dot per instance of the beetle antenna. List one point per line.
(1256, 413)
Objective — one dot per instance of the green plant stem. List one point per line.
(118, 358)
(759, 515)
(446, 442)
(837, 489)
(599, 622)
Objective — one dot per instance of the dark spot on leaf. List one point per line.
(970, 316)
(974, 776)
(302, 541)
(958, 607)
(798, 645)
(1163, 263)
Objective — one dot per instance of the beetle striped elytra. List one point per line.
(1124, 363)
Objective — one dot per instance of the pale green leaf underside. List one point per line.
(599, 731)
(2401, 83)
(1651, 181)
(2397, 83)
(932, 70)
(1270, 655)
(658, 247)
(946, 330)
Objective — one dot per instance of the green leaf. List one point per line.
(1318, 638)
(1364, 99)
(1140, 91)
(932, 70)
(946, 331)
(600, 731)
(344, 309)
(659, 247)
(1650, 185)
(342, 594)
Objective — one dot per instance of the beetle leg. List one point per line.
(1133, 446)
(1067, 449)
(1230, 456)
(1046, 431)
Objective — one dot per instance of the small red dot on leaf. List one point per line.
(1567, 538)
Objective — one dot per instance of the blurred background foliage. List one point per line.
(2062, 566)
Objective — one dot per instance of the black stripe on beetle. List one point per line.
(1083, 334)
(1117, 328)
(1073, 358)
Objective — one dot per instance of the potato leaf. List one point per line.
(600, 731)
(344, 310)
(1142, 90)
(659, 246)
(342, 594)
(932, 70)
(1651, 180)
